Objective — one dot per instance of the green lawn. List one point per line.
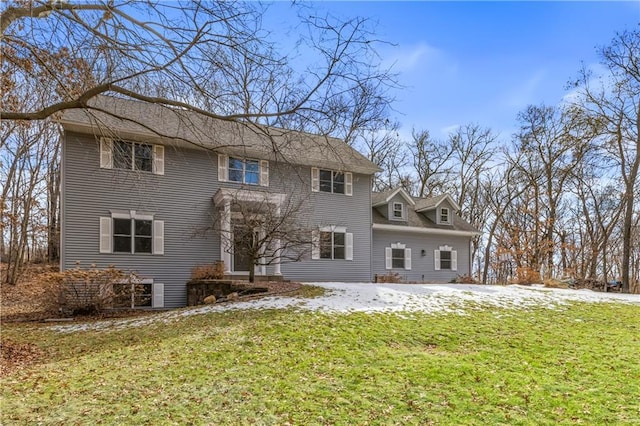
(578, 365)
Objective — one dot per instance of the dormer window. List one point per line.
(444, 216)
(397, 211)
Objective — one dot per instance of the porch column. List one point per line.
(225, 235)
(276, 243)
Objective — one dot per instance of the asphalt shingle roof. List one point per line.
(128, 118)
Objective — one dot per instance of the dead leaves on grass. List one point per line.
(16, 356)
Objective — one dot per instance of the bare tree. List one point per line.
(215, 58)
(613, 101)
(264, 230)
(430, 163)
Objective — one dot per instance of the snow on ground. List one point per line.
(367, 297)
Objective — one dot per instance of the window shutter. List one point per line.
(264, 173)
(454, 260)
(315, 179)
(387, 257)
(436, 257)
(158, 237)
(407, 258)
(157, 290)
(348, 184)
(158, 159)
(106, 153)
(105, 235)
(315, 244)
(348, 243)
(223, 168)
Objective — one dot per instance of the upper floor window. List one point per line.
(398, 211)
(444, 215)
(244, 171)
(331, 181)
(127, 155)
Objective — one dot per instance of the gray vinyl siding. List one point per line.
(182, 198)
(352, 212)
(178, 198)
(422, 267)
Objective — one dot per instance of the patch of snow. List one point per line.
(398, 298)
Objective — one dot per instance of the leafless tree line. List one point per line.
(558, 198)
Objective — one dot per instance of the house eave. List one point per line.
(420, 230)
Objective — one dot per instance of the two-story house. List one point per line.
(151, 189)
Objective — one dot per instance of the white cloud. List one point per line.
(410, 58)
(525, 93)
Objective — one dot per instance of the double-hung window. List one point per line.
(332, 245)
(331, 181)
(132, 235)
(131, 232)
(444, 215)
(135, 156)
(397, 256)
(446, 258)
(332, 242)
(397, 211)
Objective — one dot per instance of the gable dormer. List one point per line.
(440, 209)
(394, 204)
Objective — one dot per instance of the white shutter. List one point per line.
(436, 257)
(105, 235)
(348, 184)
(158, 237)
(158, 159)
(264, 173)
(106, 153)
(157, 296)
(315, 244)
(454, 260)
(387, 257)
(315, 179)
(223, 168)
(407, 258)
(348, 242)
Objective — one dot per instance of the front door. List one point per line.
(242, 243)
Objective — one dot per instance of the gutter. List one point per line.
(420, 230)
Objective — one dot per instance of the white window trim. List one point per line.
(348, 242)
(392, 215)
(448, 221)
(388, 252)
(157, 157)
(454, 258)
(223, 170)
(315, 181)
(106, 231)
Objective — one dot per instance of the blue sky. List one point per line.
(483, 62)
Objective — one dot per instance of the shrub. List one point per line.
(214, 271)
(465, 279)
(88, 291)
(391, 277)
(526, 275)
